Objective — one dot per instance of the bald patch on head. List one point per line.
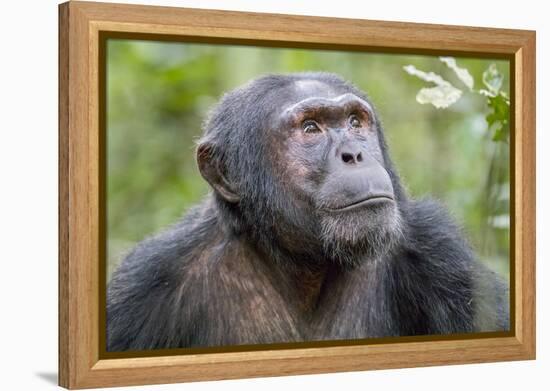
(311, 86)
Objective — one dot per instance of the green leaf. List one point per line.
(499, 118)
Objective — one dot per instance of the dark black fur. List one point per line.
(219, 277)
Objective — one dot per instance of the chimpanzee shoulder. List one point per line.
(147, 306)
(196, 284)
(438, 285)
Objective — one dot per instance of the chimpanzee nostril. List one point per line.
(348, 158)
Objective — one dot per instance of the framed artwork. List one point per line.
(247, 195)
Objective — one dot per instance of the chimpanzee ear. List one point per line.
(210, 169)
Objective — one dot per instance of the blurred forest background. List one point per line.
(159, 93)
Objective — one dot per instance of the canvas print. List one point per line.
(259, 195)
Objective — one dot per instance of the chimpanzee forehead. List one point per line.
(305, 91)
(307, 88)
(310, 95)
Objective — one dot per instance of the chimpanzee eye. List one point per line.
(310, 127)
(354, 121)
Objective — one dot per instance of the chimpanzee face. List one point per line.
(327, 150)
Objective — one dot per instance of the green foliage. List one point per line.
(495, 199)
(445, 94)
(499, 103)
(160, 93)
(499, 118)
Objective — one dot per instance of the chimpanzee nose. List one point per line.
(351, 157)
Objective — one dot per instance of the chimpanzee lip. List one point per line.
(373, 199)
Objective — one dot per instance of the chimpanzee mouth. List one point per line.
(372, 200)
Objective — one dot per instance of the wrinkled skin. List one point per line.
(327, 146)
(307, 235)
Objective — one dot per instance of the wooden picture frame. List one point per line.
(82, 29)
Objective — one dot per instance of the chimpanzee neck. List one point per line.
(306, 286)
(300, 277)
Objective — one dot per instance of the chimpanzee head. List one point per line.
(299, 162)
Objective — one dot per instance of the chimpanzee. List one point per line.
(308, 235)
